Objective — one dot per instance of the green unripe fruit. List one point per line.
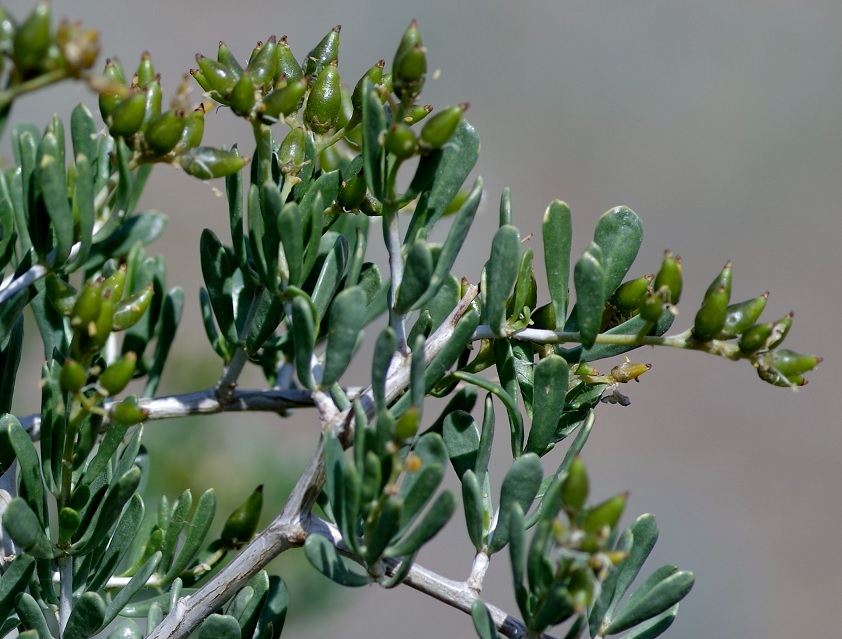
(118, 374)
(128, 312)
(324, 101)
(401, 140)
(652, 307)
(287, 66)
(61, 295)
(282, 101)
(32, 40)
(88, 305)
(669, 277)
(100, 330)
(417, 113)
(711, 316)
(606, 514)
(352, 192)
(375, 74)
(110, 97)
(292, 151)
(723, 279)
(575, 486)
(630, 295)
(154, 99)
(780, 330)
(164, 132)
(241, 525)
(263, 64)
(200, 79)
(755, 338)
(775, 378)
(113, 285)
(242, 95)
(207, 163)
(409, 73)
(69, 521)
(323, 53)
(219, 77)
(740, 316)
(227, 59)
(441, 127)
(73, 376)
(330, 159)
(127, 116)
(789, 363)
(194, 130)
(145, 70)
(127, 412)
(407, 426)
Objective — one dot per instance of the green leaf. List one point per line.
(274, 611)
(589, 279)
(83, 132)
(486, 438)
(86, 617)
(26, 531)
(483, 623)
(510, 403)
(327, 560)
(461, 438)
(373, 126)
(418, 487)
(315, 235)
(120, 543)
(144, 228)
(83, 206)
(197, 530)
(304, 339)
(167, 324)
(53, 185)
(384, 528)
(644, 533)
(9, 362)
(655, 626)
(119, 492)
(330, 276)
(631, 327)
(429, 526)
(517, 557)
(126, 629)
(557, 234)
(271, 207)
(473, 504)
(7, 452)
(31, 615)
(10, 313)
(416, 277)
(32, 487)
(550, 390)
(500, 274)
(619, 233)
(219, 627)
(520, 485)
(657, 600)
(384, 349)
(172, 523)
(292, 241)
(248, 611)
(218, 273)
(14, 580)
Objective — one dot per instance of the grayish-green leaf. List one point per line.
(483, 623)
(520, 486)
(473, 504)
(557, 234)
(416, 277)
(373, 126)
(619, 233)
(196, 533)
(304, 339)
(219, 627)
(550, 389)
(589, 280)
(14, 580)
(427, 528)
(347, 314)
(31, 615)
(327, 560)
(500, 274)
(86, 617)
(658, 599)
(461, 437)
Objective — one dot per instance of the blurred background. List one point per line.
(719, 123)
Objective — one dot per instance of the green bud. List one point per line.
(780, 329)
(128, 312)
(73, 376)
(118, 375)
(113, 285)
(219, 77)
(324, 101)
(740, 316)
(606, 514)
(352, 191)
(652, 307)
(407, 426)
(330, 158)
(200, 79)
(264, 64)
(417, 113)
(723, 279)
(88, 304)
(145, 70)
(242, 96)
(241, 525)
(227, 59)
(154, 99)
(194, 130)
(755, 338)
(323, 54)
(628, 371)
(630, 295)
(544, 317)
(409, 73)
(711, 316)
(61, 295)
(282, 101)
(292, 151)
(100, 330)
(776, 378)
(114, 90)
(789, 363)
(401, 140)
(575, 486)
(441, 127)
(207, 163)
(375, 74)
(32, 40)
(69, 521)
(127, 412)
(669, 278)
(287, 66)
(164, 132)
(127, 116)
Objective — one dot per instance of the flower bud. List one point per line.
(118, 375)
(127, 116)
(401, 140)
(286, 66)
(417, 113)
(740, 316)
(630, 295)
(99, 331)
(375, 74)
(789, 363)
(323, 53)
(114, 91)
(227, 59)
(606, 514)
(441, 127)
(263, 64)
(242, 95)
(711, 316)
(352, 191)
(575, 486)
(409, 65)
(200, 79)
(73, 376)
(164, 132)
(219, 77)
(88, 304)
(69, 521)
(628, 371)
(194, 130)
(780, 329)
(207, 163)
(127, 412)
(669, 278)
(282, 101)
(292, 151)
(324, 101)
(145, 70)
(241, 525)
(154, 99)
(723, 279)
(652, 307)
(61, 294)
(128, 312)
(755, 338)
(32, 39)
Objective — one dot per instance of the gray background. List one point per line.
(719, 123)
